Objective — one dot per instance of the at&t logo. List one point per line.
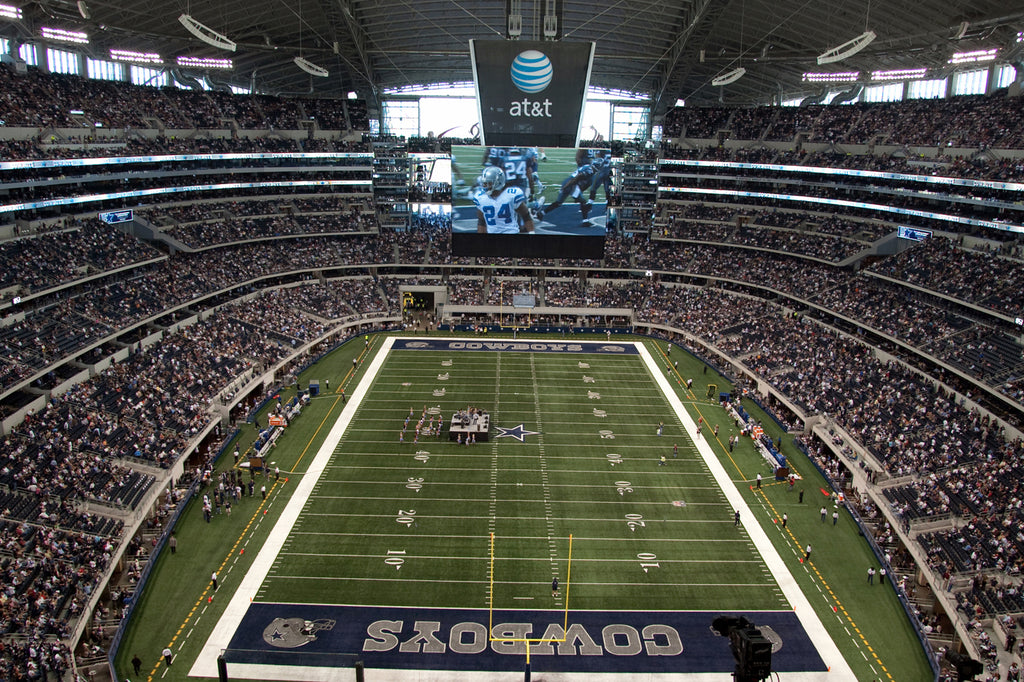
(531, 73)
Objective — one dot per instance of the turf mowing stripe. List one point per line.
(492, 503)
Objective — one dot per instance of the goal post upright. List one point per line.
(490, 604)
(490, 594)
(568, 584)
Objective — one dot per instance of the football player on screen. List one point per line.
(582, 179)
(519, 164)
(602, 175)
(500, 209)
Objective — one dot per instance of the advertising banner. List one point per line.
(531, 92)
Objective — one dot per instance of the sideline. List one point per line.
(827, 649)
(206, 663)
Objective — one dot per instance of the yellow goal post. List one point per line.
(527, 640)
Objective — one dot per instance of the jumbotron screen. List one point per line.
(530, 201)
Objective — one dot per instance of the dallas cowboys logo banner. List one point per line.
(531, 92)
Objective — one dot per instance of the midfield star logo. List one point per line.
(518, 432)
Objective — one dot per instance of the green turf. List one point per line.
(537, 493)
(558, 483)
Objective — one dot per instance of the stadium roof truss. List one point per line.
(668, 50)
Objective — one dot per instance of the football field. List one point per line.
(435, 559)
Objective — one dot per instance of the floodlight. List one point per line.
(838, 77)
(10, 12)
(206, 34)
(898, 74)
(64, 36)
(205, 63)
(135, 57)
(83, 9)
(974, 56)
(730, 77)
(847, 49)
(310, 68)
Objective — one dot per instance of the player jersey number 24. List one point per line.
(500, 212)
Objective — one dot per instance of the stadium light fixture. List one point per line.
(135, 57)
(898, 75)
(64, 36)
(847, 49)
(311, 68)
(974, 56)
(838, 77)
(10, 12)
(207, 34)
(731, 77)
(205, 63)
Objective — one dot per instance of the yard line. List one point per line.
(448, 536)
(575, 486)
(450, 557)
(453, 581)
(463, 517)
(424, 498)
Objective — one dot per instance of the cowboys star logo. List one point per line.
(518, 432)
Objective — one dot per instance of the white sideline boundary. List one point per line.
(839, 669)
(206, 662)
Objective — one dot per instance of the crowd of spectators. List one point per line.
(335, 299)
(992, 121)
(40, 100)
(79, 248)
(75, 147)
(939, 264)
(948, 207)
(148, 407)
(204, 234)
(467, 290)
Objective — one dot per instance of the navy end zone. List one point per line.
(457, 639)
(518, 346)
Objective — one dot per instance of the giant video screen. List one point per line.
(530, 201)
